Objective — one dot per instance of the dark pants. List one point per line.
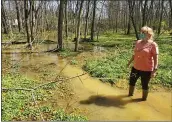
(145, 77)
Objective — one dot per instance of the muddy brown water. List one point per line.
(98, 100)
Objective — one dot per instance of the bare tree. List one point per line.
(27, 12)
(4, 19)
(129, 26)
(99, 23)
(131, 4)
(66, 20)
(161, 14)
(170, 16)
(86, 19)
(36, 21)
(60, 25)
(151, 12)
(93, 20)
(78, 26)
(117, 16)
(18, 15)
(76, 17)
(144, 13)
(32, 20)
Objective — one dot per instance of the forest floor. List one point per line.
(85, 95)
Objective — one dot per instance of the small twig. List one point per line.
(69, 105)
(60, 72)
(63, 68)
(81, 80)
(121, 52)
(15, 89)
(73, 103)
(37, 105)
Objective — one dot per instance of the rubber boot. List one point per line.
(131, 90)
(144, 95)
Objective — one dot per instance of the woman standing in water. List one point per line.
(145, 61)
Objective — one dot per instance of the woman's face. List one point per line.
(143, 34)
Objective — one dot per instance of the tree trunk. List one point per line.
(144, 13)
(37, 22)
(26, 24)
(10, 18)
(150, 16)
(98, 28)
(131, 4)
(160, 20)
(78, 27)
(22, 15)
(32, 20)
(46, 19)
(135, 28)
(4, 19)
(93, 21)
(86, 19)
(60, 26)
(116, 29)
(75, 19)
(117, 16)
(129, 26)
(18, 16)
(170, 16)
(66, 20)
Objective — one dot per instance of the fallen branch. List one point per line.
(61, 80)
(53, 50)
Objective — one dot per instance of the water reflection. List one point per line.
(20, 58)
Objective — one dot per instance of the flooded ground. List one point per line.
(108, 103)
(96, 100)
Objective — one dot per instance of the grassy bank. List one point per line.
(18, 105)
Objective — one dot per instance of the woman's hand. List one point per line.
(129, 62)
(153, 74)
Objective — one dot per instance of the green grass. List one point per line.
(19, 105)
(60, 115)
(67, 53)
(112, 67)
(13, 37)
(112, 40)
(73, 62)
(14, 101)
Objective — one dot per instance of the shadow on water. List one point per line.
(110, 101)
